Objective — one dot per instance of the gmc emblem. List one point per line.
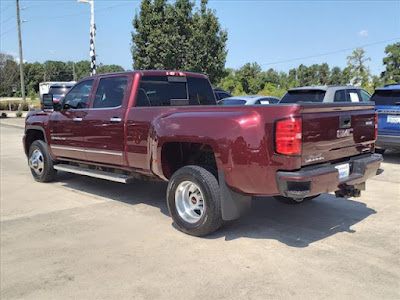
(341, 133)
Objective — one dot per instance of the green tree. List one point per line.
(172, 36)
(272, 90)
(9, 75)
(34, 74)
(356, 66)
(57, 71)
(250, 77)
(336, 76)
(102, 69)
(392, 64)
(323, 74)
(82, 69)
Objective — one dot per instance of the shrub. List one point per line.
(18, 114)
(13, 105)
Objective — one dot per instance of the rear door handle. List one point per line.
(76, 119)
(116, 120)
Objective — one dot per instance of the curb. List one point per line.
(12, 125)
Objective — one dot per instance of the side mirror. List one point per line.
(47, 101)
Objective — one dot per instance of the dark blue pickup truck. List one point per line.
(387, 105)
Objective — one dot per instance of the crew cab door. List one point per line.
(66, 131)
(104, 121)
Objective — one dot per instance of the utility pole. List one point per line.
(92, 51)
(73, 71)
(21, 59)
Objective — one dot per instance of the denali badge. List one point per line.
(344, 132)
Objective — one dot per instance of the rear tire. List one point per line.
(194, 202)
(288, 200)
(40, 162)
(380, 151)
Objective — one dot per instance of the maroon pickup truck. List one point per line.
(165, 125)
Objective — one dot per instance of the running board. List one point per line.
(94, 173)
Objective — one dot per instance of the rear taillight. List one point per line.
(288, 136)
(376, 127)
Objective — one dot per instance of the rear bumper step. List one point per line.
(325, 179)
(94, 173)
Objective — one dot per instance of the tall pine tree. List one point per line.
(179, 37)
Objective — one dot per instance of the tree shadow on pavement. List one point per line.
(297, 225)
(293, 225)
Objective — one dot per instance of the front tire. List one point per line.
(194, 202)
(40, 162)
(380, 151)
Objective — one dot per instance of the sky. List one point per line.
(275, 34)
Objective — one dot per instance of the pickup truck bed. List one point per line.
(166, 126)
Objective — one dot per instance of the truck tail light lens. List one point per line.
(288, 136)
(376, 127)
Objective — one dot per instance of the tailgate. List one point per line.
(332, 132)
(387, 104)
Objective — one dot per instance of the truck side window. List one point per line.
(365, 97)
(352, 96)
(340, 96)
(158, 91)
(110, 92)
(200, 92)
(78, 96)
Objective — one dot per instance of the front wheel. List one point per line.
(294, 201)
(40, 162)
(193, 201)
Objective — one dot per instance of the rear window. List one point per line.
(303, 96)
(386, 98)
(167, 91)
(59, 90)
(232, 102)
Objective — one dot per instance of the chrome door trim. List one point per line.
(116, 153)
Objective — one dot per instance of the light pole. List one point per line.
(92, 37)
(21, 59)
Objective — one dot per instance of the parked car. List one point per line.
(57, 89)
(165, 125)
(221, 94)
(387, 105)
(249, 100)
(326, 94)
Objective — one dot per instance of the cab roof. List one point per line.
(152, 73)
(389, 87)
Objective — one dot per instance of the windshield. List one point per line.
(59, 90)
(232, 102)
(386, 98)
(303, 96)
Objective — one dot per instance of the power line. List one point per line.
(9, 30)
(4, 21)
(328, 53)
(84, 13)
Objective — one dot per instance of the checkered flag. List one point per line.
(92, 52)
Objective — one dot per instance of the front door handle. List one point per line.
(116, 120)
(76, 119)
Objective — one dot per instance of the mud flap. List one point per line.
(233, 205)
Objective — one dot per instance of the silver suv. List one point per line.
(328, 93)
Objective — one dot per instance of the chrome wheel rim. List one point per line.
(36, 162)
(189, 201)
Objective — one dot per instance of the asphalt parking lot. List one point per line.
(86, 238)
